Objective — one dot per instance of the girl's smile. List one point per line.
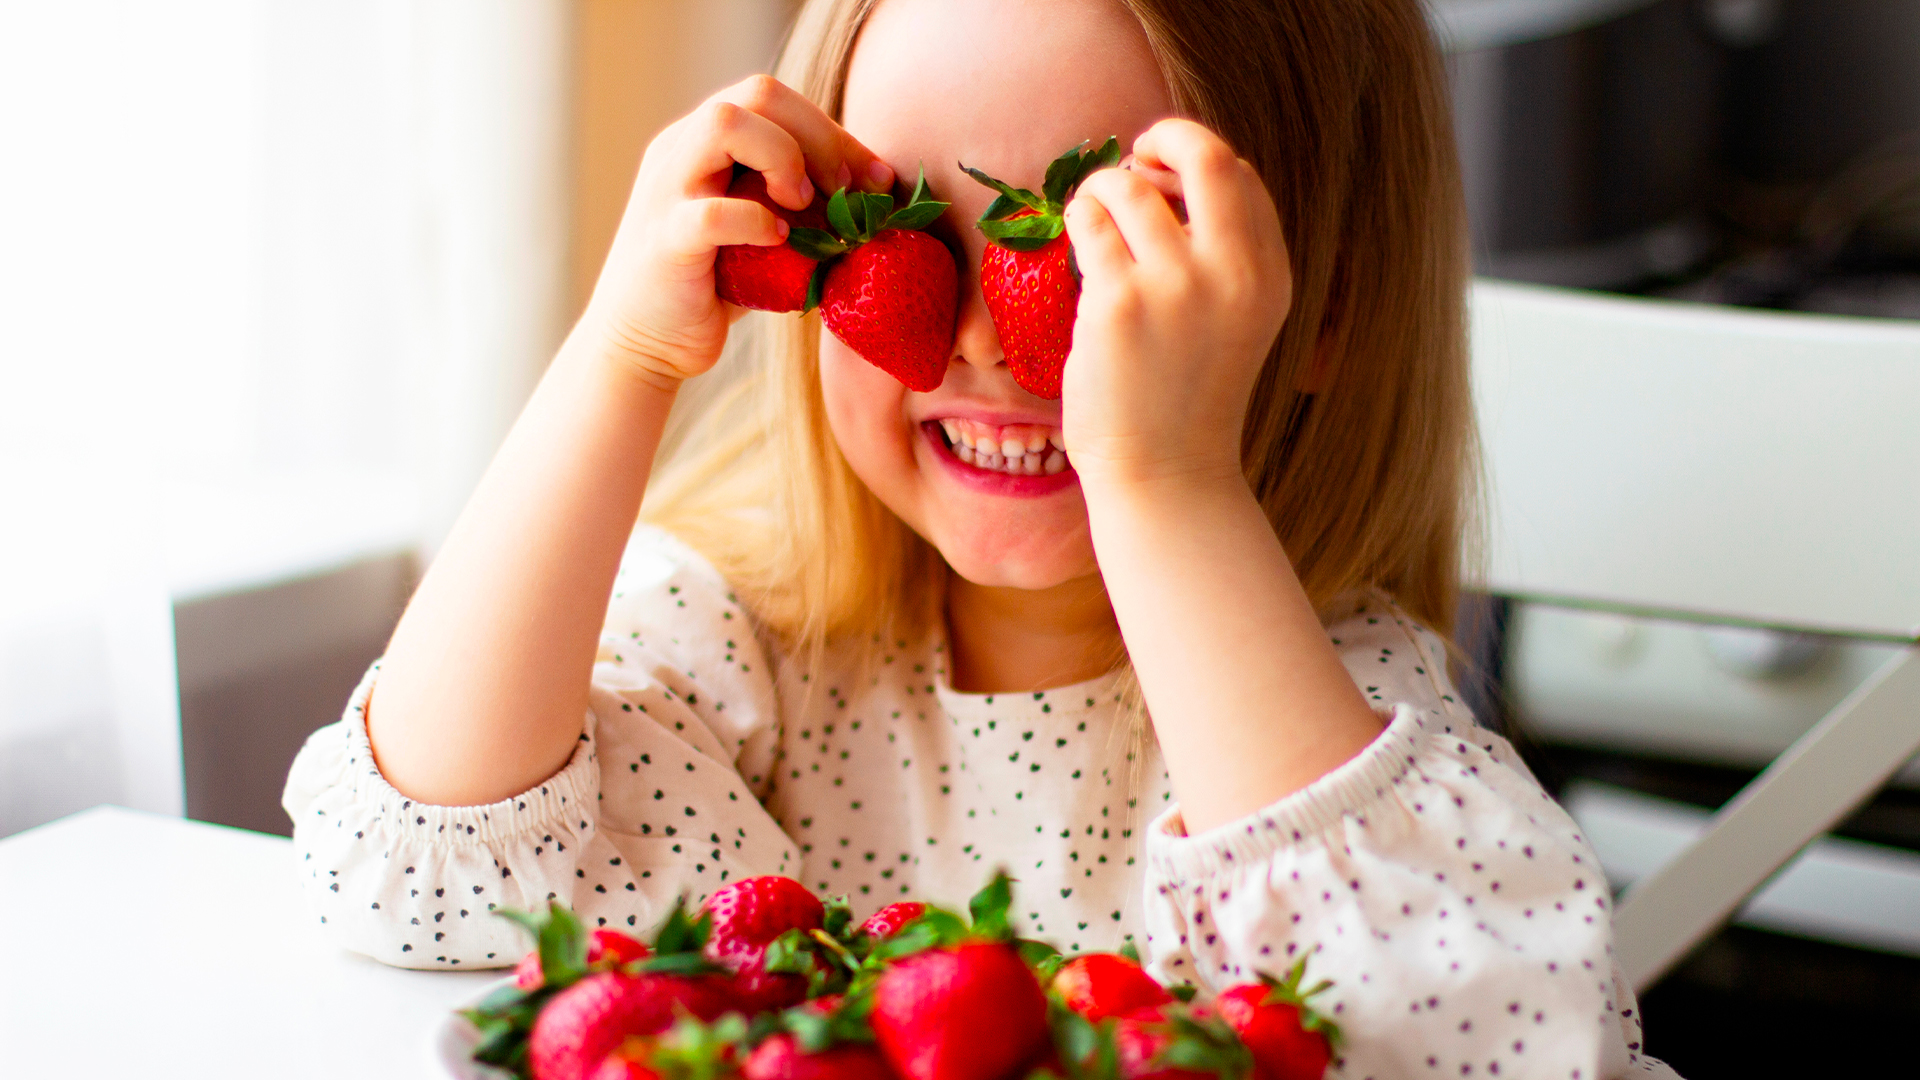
(978, 466)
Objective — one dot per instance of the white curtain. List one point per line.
(274, 278)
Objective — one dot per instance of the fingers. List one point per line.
(834, 159)
(1097, 244)
(1226, 201)
(1141, 213)
(721, 133)
(697, 227)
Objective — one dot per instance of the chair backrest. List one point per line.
(1700, 461)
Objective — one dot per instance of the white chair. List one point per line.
(1728, 466)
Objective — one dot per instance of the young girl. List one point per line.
(842, 653)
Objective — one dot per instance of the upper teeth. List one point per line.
(1021, 449)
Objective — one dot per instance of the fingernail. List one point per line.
(780, 226)
(806, 189)
(843, 178)
(880, 173)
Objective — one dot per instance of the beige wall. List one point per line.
(640, 65)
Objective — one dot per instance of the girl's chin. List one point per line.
(1016, 566)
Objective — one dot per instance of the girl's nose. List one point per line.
(975, 341)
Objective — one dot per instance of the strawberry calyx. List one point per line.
(1087, 1051)
(1201, 1042)
(1020, 220)
(691, 1050)
(857, 217)
(678, 946)
(1287, 992)
(847, 1021)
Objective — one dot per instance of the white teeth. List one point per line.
(1058, 439)
(990, 461)
(964, 453)
(952, 429)
(1030, 464)
(1012, 448)
(1036, 442)
(1056, 461)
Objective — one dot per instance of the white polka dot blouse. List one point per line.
(1461, 916)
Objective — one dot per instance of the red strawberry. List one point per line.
(768, 278)
(888, 920)
(1099, 985)
(972, 1012)
(631, 1060)
(583, 1023)
(1288, 1039)
(1027, 276)
(747, 916)
(893, 296)
(526, 974)
(605, 949)
(1177, 1043)
(781, 1057)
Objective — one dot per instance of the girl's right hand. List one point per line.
(654, 304)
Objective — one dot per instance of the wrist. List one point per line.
(1161, 486)
(615, 356)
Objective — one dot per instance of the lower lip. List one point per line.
(992, 481)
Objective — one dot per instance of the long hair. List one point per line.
(1368, 481)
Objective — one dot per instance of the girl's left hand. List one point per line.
(1175, 320)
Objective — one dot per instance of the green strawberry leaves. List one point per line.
(1287, 992)
(1204, 1045)
(559, 938)
(857, 217)
(1087, 1050)
(1039, 221)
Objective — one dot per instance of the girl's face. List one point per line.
(1004, 86)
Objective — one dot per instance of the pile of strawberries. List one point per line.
(889, 290)
(767, 982)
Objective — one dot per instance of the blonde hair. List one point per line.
(1341, 106)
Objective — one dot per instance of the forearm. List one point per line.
(1250, 702)
(484, 687)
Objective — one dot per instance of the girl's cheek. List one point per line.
(866, 410)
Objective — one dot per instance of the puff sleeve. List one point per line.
(659, 800)
(1463, 920)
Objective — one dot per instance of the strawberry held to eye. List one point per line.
(773, 278)
(887, 290)
(1027, 276)
(1288, 1039)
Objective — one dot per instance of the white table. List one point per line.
(184, 949)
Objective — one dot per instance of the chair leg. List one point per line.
(1816, 783)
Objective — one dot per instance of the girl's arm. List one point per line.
(485, 683)
(1249, 699)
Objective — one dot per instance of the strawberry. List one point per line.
(605, 949)
(1288, 1039)
(577, 1029)
(1028, 278)
(933, 1010)
(1171, 1042)
(888, 920)
(1099, 985)
(890, 291)
(691, 1051)
(782, 1057)
(775, 278)
(750, 915)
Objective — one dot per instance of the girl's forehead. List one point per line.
(1004, 85)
